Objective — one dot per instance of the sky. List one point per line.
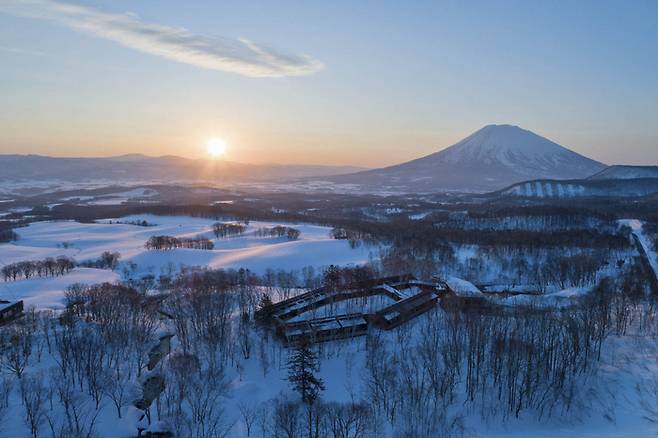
(367, 83)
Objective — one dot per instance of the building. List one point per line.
(409, 297)
(9, 311)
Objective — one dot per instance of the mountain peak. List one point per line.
(489, 159)
(515, 148)
(503, 126)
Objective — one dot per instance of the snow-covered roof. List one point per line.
(463, 288)
(4, 304)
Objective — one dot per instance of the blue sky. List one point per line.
(367, 83)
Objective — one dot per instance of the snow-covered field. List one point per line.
(47, 293)
(87, 241)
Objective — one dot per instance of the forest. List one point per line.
(180, 351)
(98, 355)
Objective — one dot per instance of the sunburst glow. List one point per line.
(216, 147)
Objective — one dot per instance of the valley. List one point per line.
(570, 273)
(328, 219)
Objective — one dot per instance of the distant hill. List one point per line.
(489, 159)
(626, 172)
(136, 167)
(553, 189)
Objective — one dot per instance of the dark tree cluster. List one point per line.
(340, 233)
(107, 260)
(142, 223)
(165, 243)
(500, 220)
(355, 237)
(337, 277)
(510, 238)
(225, 230)
(573, 271)
(7, 235)
(276, 282)
(279, 231)
(50, 267)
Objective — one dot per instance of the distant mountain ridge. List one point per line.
(613, 181)
(490, 159)
(622, 171)
(136, 167)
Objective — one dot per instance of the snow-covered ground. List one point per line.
(47, 293)
(619, 395)
(87, 241)
(561, 298)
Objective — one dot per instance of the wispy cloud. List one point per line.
(22, 51)
(240, 56)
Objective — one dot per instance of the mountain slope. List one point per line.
(579, 188)
(136, 167)
(626, 172)
(490, 159)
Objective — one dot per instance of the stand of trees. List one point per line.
(355, 237)
(49, 267)
(165, 243)
(279, 231)
(7, 235)
(107, 260)
(222, 230)
(348, 234)
(546, 219)
(142, 223)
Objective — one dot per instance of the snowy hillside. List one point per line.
(489, 159)
(85, 242)
(626, 172)
(582, 188)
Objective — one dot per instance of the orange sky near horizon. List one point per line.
(320, 83)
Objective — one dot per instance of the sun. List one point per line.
(216, 147)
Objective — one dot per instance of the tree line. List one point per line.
(166, 243)
(107, 260)
(224, 230)
(49, 267)
(279, 231)
(7, 235)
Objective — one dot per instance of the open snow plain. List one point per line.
(87, 241)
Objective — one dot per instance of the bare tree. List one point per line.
(286, 421)
(206, 413)
(350, 420)
(249, 414)
(78, 414)
(16, 347)
(33, 396)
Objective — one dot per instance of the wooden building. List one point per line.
(410, 298)
(9, 311)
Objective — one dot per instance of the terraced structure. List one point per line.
(324, 314)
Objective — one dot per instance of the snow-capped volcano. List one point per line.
(489, 159)
(519, 150)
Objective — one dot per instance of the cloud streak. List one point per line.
(240, 56)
